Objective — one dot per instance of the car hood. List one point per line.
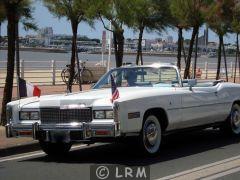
(98, 97)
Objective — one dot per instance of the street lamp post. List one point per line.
(110, 46)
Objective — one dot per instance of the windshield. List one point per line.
(140, 76)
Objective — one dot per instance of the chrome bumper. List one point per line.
(8, 130)
(18, 130)
(65, 132)
(74, 132)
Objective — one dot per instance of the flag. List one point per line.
(27, 89)
(115, 92)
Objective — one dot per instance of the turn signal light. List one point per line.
(102, 132)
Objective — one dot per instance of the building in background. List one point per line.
(46, 35)
(169, 39)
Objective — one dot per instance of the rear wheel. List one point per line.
(232, 124)
(151, 135)
(87, 76)
(55, 149)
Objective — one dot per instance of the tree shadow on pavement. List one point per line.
(173, 147)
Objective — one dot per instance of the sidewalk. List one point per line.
(13, 146)
(6, 143)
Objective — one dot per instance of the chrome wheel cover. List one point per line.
(235, 121)
(152, 134)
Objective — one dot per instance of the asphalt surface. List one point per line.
(180, 153)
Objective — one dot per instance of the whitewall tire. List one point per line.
(232, 124)
(151, 135)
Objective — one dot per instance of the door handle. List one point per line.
(216, 93)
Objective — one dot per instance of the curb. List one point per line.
(22, 148)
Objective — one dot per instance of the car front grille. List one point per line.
(59, 116)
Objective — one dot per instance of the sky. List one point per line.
(44, 18)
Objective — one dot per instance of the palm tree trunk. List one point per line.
(115, 43)
(179, 56)
(120, 48)
(196, 56)
(139, 51)
(0, 32)
(73, 56)
(235, 66)
(187, 68)
(17, 50)
(7, 95)
(184, 53)
(118, 40)
(225, 60)
(79, 71)
(219, 57)
(238, 59)
(141, 58)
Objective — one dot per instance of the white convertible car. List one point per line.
(153, 101)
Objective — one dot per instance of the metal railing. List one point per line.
(45, 72)
(49, 72)
(209, 70)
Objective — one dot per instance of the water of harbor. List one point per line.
(43, 59)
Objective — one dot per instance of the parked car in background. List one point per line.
(153, 101)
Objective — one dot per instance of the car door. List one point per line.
(199, 106)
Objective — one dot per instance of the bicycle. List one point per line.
(86, 75)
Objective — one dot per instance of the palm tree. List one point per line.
(2, 16)
(235, 26)
(189, 13)
(219, 18)
(152, 15)
(24, 16)
(15, 11)
(10, 8)
(180, 24)
(117, 12)
(75, 11)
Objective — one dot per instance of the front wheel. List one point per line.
(232, 124)
(55, 149)
(151, 135)
(65, 75)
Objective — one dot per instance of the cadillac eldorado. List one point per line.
(153, 101)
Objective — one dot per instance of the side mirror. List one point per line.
(191, 83)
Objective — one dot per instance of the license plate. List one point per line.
(61, 136)
(76, 135)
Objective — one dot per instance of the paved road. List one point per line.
(207, 154)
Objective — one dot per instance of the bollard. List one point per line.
(22, 68)
(206, 70)
(53, 72)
